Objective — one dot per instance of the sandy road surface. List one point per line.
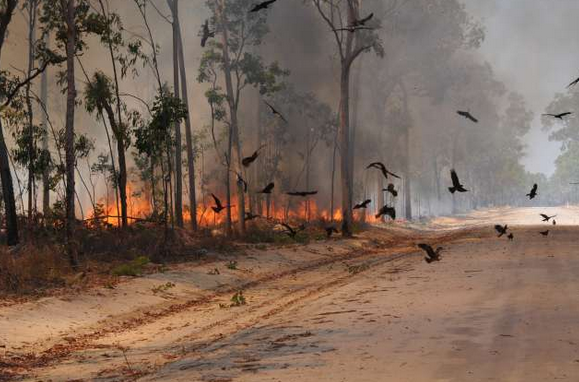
(491, 310)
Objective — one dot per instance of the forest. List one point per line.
(164, 123)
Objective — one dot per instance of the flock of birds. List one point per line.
(434, 254)
(431, 253)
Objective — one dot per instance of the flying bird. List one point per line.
(364, 204)
(559, 116)
(431, 254)
(544, 233)
(502, 230)
(292, 232)
(250, 159)
(456, 186)
(250, 216)
(275, 112)
(263, 5)
(207, 34)
(573, 83)
(218, 207)
(511, 236)
(554, 222)
(467, 115)
(363, 21)
(546, 218)
(303, 194)
(267, 189)
(380, 166)
(241, 182)
(391, 190)
(331, 230)
(533, 192)
(390, 211)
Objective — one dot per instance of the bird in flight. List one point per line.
(467, 115)
(559, 116)
(544, 233)
(391, 190)
(207, 34)
(331, 230)
(390, 211)
(533, 192)
(456, 186)
(263, 5)
(431, 253)
(292, 232)
(502, 230)
(511, 236)
(546, 218)
(303, 194)
(267, 189)
(380, 166)
(218, 207)
(554, 222)
(250, 159)
(358, 24)
(362, 22)
(251, 216)
(275, 112)
(241, 182)
(573, 83)
(363, 204)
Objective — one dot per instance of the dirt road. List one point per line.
(491, 310)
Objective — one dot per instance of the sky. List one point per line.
(533, 46)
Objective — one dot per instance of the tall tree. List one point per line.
(351, 40)
(239, 68)
(12, 237)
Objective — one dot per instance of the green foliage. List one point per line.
(134, 268)
(232, 264)
(238, 299)
(152, 138)
(163, 287)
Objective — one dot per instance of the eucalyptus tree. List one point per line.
(229, 59)
(352, 39)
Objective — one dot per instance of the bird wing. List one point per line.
(217, 201)
(534, 189)
(454, 177)
(366, 19)
(544, 216)
(394, 175)
(470, 116)
(573, 83)
(499, 228)
(427, 248)
(564, 114)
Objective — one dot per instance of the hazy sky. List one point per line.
(533, 46)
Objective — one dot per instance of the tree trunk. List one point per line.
(119, 135)
(188, 132)
(173, 5)
(8, 193)
(46, 170)
(30, 113)
(69, 133)
(232, 103)
(344, 139)
(332, 186)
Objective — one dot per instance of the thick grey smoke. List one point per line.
(532, 45)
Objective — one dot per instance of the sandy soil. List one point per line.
(362, 310)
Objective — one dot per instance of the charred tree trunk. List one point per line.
(69, 132)
(173, 5)
(32, 5)
(344, 139)
(46, 170)
(188, 129)
(234, 128)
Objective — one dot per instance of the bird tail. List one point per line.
(452, 189)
